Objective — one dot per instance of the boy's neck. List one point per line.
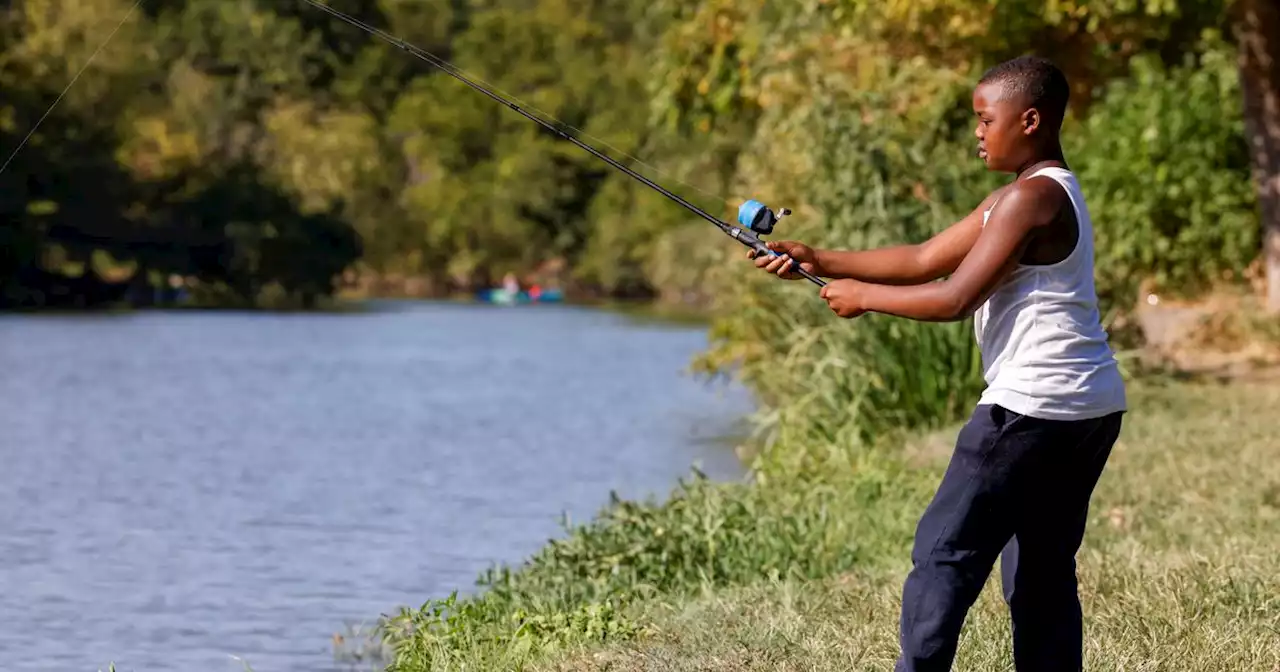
(1048, 155)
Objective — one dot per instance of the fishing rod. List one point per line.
(755, 216)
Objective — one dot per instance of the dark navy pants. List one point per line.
(1015, 484)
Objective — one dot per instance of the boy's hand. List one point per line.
(844, 297)
(788, 251)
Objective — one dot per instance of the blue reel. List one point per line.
(757, 217)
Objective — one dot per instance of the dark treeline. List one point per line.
(259, 152)
(246, 152)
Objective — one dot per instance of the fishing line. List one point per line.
(457, 72)
(68, 88)
(753, 215)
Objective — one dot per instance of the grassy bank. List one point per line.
(1179, 569)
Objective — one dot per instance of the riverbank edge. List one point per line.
(640, 310)
(731, 620)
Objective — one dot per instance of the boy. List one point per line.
(1026, 463)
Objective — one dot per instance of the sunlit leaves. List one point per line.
(320, 155)
(243, 40)
(58, 37)
(1166, 167)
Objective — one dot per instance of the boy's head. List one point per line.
(1020, 106)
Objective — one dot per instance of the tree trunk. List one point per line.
(1257, 30)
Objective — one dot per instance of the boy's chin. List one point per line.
(995, 165)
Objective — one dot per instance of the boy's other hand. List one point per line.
(788, 251)
(844, 297)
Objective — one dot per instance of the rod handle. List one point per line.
(760, 247)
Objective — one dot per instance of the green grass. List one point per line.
(1180, 569)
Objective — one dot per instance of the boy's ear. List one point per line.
(1030, 121)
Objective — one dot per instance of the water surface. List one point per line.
(178, 488)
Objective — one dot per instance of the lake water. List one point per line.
(180, 488)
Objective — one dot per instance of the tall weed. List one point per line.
(886, 165)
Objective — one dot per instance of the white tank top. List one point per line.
(1044, 351)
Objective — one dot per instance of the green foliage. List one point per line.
(882, 165)
(439, 181)
(705, 533)
(490, 191)
(1163, 161)
(155, 160)
(422, 175)
(447, 633)
(581, 588)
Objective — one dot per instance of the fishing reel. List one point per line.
(758, 220)
(757, 217)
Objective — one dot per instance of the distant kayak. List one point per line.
(507, 297)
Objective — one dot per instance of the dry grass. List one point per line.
(1226, 333)
(1180, 569)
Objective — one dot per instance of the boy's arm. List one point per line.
(1025, 210)
(909, 264)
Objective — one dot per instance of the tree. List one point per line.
(1257, 30)
(730, 59)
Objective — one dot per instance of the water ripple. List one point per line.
(180, 489)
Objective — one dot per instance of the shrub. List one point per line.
(1163, 161)
(884, 165)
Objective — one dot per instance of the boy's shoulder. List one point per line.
(1037, 194)
(1043, 190)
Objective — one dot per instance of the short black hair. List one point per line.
(1035, 80)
